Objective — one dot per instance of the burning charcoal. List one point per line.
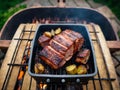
(20, 76)
(46, 71)
(42, 86)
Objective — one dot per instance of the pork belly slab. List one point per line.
(67, 43)
(61, 48)
(52, 57)
(83, 56)
(77, 38)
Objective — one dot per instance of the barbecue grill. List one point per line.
(95, 82)
(57, 15)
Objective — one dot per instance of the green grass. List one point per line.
(114, 5)
(8, 8)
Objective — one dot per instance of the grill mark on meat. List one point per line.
(52, 55)
(44, 40)
(69, 36)
(62, 40)
(58, 47)
(61, 48)
(75, 34)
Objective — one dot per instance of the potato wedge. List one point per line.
(71, 69)
(57, 31)
(39, 68)
(81, 69)
(48, 34)
(52, 32)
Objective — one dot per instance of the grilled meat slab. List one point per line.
(77, 38)
(61, 48)
(52, 57)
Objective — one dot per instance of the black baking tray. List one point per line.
(60, 75)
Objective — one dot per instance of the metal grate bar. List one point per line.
(17, 85)
(112, 79)
(10, 64)
(93, 32)
(23, 39)
(28, 31)
(99, 78)
(94, 83)
(30, 83)
(86, 87)
(12, 61)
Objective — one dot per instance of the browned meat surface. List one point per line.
(66, 42)
(44, 40)
(58, 47)
(83, 56)
(52, 57)
(77, 38)
(62, 40)
(61, 48)
(76, 34)
(67, 52)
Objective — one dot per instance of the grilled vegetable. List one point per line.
(52, 32)
(71, 69)
(48, 34)
(57, 31)
(39, 68)
(81, 69)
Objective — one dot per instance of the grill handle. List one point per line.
(61, 3)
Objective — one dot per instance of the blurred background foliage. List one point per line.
(114, 5)
(8, 8)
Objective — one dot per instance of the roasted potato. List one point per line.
(57, 31)
(81, 69)
(71, 69)
(48, 34)
(39, 68)
(52, 32)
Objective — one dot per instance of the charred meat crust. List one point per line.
(44, 40)
(83, 56)
(62, 40)
(77, 38)
(58, 47)
(75, 34)
(51, 57)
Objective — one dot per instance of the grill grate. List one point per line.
(42, 85)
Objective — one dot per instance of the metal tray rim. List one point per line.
(66, 75)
